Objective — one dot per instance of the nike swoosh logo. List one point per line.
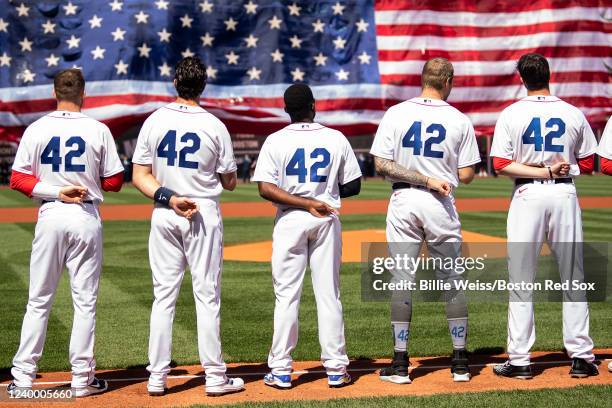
(522, 189)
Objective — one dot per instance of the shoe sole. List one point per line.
(339, 385)
(157, 393)
(396, 379)
(90, 392)
(573, 375)
(278, 385)
(461, 377)
(224, 392)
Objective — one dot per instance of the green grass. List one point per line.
(247, 302)
(373, 189)
(588, 395)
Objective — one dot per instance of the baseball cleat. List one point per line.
(610, 366)
(96, 386)
(512, 371)
(16, 392)
(582, 369)
(459, 366)
(282, 382)
(231, 385)
(156, 391)
(339, 381)
(398, 372)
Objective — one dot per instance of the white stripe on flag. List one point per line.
(515, 42)
(464, 18)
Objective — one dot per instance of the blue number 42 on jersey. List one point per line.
(52, 155)
(297, 165)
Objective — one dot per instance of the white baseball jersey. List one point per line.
(428, 136)
(308, 160)
(605, 144)
(186, 147)
(543, 130)
(69, 148)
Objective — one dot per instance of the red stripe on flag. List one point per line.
(493, 55)
(497, 80)
(483, 6)
(472, 31)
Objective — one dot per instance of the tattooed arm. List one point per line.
(396, 171)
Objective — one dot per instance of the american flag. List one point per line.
(359, 56)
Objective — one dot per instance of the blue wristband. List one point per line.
(162, 195)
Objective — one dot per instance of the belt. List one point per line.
(53, 201)
(521, 181)
(402, 185)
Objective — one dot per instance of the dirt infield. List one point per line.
(430, 376)
(265, 209)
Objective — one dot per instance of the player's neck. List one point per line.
(68, 106)
(189, 102)
(429, 93)
(539, 92)
(303, 121)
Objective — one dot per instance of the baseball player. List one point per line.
(183, 160)
(425, 147)
(305, 168)
(604, 150)
(543, 142)
(65, 160)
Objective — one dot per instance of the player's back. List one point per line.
(186, 147)
(69, 148)
(428, 136)
(308, 160)
(543, 130)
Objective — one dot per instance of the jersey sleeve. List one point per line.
(143, 153)
(468, 149)
(587, 144)
(383, 144)
(502, 141)
(349, 170)
(110, 163)
(605, 144)
(226, 163)
(266, 169)
(23, 162)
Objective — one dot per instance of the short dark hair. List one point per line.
(190, 77)
(436, 73)
(534, 70)
(69, 85)
(298, 101)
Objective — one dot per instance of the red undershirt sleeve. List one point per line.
(606, 166)
(587, 164)
(22, 182)
(499, 163)
(112, 183)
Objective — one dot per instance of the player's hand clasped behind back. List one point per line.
(560, 169)
(440, 186)
(320, 209)
(183, 206)
(73, 194)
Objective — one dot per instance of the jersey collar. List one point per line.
(62, 114)
(185, 108)
(304, 127)
(428, 101)
(541, 98)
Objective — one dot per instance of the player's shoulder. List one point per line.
(457, 115)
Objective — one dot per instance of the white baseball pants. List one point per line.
(71, 235)
(538, 212)
(174, 243)
(417, 215)
(298, 239)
